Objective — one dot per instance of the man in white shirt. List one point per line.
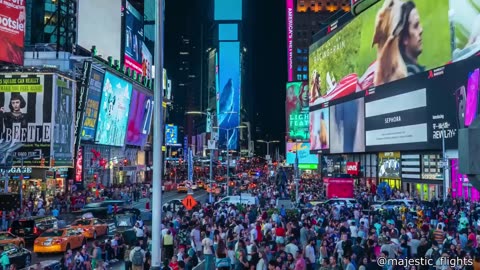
(196, 240)
(253, 233)
(310, 254)
(138, 232)
(291, 247)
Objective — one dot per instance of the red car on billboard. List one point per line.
(12, 31)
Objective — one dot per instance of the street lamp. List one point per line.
(297, 171)
(268, 144)
(228, 153)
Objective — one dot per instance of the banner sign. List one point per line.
(26, 115)
(290, 12)
(81, 99)
(92, 105)
(12, 31)
(297, 110)
(63, 116)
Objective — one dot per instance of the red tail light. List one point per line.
(35, 230)
(10, 230)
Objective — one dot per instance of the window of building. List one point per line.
(305, 77)
(305, 59)
(299, 68)
(305, 51)
(299, 51)
(305, 68)
(299, 77)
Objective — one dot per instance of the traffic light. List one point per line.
(42, 162)
(232, 183)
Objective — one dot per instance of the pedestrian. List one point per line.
(126, 257)
(96, 255)
(4, 259)
(137, 257)
(168, 244)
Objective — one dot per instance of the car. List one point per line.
(59, 240)
(182, 188)
(194, 186)
(100, 209)
(347, 202)
(18, 256)
(8, 238)
(45, 265)
(393, 204)
(175, 205)
(91, 227)
(200, 184)
(30, 228)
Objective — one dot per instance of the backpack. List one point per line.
(137, 259)
(194, 260)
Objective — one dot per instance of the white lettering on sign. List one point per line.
(352, 168)
(393, 119)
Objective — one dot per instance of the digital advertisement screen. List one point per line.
(12, 31)
(92, 104)
(133, 38)
(290, 14)
(171, 134)
(26, 117)
(228, 109)
(471, 106)
(303, 151)
(347, 130)
(296, 107)
(228, 10)
(114, 108)
(147, 61)
(139, 119)
(319, 129)
(63, 127)
(100, 25)
(361, 54)
(389, 165)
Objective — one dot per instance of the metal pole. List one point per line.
(228, 163)
(268, 148)
(156, 260)
(445, 167)
(21, 186)
(4, 213)
(210, 197)
(296, 175)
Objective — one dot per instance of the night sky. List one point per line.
(264, 29)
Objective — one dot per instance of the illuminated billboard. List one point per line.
(139, 119)
(228, 10)
(100, 25)
(92, 104)
(171, 134)
(297, 111)
(346, 62)
(228, 109)
(319, 129)
(290, 12)
(114, 108)
(302, 150)
(133, 56)
(12, 31)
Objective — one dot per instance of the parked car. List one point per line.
(19, 256)
(29, 229)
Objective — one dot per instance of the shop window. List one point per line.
(431, 168)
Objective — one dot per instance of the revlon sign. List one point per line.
(353, 168)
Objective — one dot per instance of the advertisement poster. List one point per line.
(347, 130)
(290, 12)
(389, 41)
(133, 39)
(12, 31)
(79, 166)
(171, 133)
(389, 165)
(303, 151)
(339, 187)
(114, 108)
(63, 122)
(147, 61)
(319, 129)
(139, 119)
(26, 115)
(92, 105)
(228, 108)
(297, 110)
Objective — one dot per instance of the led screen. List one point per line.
(228, 10)
(147, 61)
(133, 39)
(12, 31)
(228, 32)
(139, 119)
(389, 165)
(114, 108)
(92, 104)
(100, 25)
(289, 18)
(361, 54)
(296, 108)
(319, 129)
(171, 134)
(347, 131)
(303, 151)
(229, 93)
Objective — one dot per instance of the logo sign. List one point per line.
(290, 39)
(353, 168)
(189, 202)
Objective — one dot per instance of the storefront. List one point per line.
(422, 175)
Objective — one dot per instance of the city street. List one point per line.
(200, 195)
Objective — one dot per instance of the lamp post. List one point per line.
(268, 144)
(297, 172)
(228, 153)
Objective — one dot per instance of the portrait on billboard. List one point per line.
(296, 107)
(347, 130)
(319, 129)
(12, 31)
(63, 127)
(391, 40)
(114, 109)
(139, 119)
(26, 113)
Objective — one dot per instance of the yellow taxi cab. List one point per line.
(59, 240)
(91, 227)
(182, 188)
(8, 238)
(200, 184)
